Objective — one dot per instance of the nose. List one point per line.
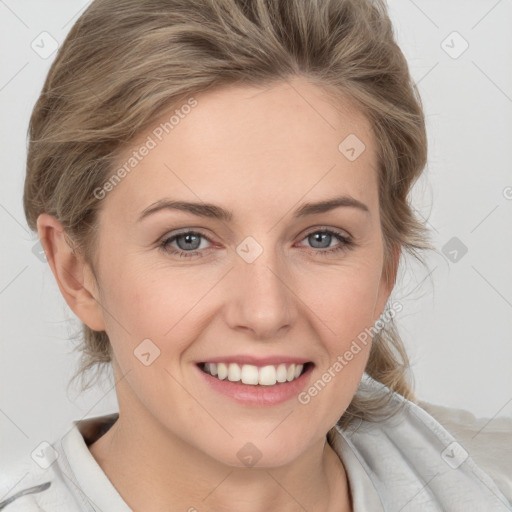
(260, 296)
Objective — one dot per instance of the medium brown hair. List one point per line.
(127, 62)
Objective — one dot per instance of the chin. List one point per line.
(244, 452)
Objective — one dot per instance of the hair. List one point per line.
(127, 62)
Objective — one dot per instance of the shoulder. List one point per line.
(19, 485)
(487, 440)
(27, 487)
(421, 454)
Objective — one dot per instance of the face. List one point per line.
(272, 280)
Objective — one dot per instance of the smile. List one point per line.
(253, 375)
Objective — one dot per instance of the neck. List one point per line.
(173, 473)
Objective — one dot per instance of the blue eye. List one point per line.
(326, 234)
(189, 243)
(190, 239)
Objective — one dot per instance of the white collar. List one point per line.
(410, 462)
(406, 463)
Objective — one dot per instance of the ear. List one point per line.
(73, 275)
(387, 282)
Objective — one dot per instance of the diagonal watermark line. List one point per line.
(13, 77)
(98, 401)
(425, 14)
(427, 73)
(421, 282)
(105, 394)
(309, 104)
(12, 216)
(103, 308)
(424, 219)
(179, 320)
(280, 423)
(14, 423)
(5, 501)
(199, 403)
(217, 486)
(3, 3)
(492, 81)
(12, 280)
(31, 490)
(485, 15)
(84, 494)
(502, 296)
(285, 490)
(421, 490)
(484, 218)
(74, 16)
(13, 487)
(491, 419)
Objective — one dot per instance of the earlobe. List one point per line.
(73, 275)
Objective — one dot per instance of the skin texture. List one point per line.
(261, 153)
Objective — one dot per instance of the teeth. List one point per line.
(253, 375)
(234, 372)
(249, 374)
(281, 373)
(222, 371)
(267, 376)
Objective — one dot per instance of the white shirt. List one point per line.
(409, 462)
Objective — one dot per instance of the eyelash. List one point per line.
(346, 243)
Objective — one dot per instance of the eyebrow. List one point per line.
(217, 212)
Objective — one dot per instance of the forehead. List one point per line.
(263, 147)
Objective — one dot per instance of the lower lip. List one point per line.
(258, 395)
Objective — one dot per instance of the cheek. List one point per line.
(141, 303)
(174, 307)
(345, 309)
(162, 303)
(344, 299)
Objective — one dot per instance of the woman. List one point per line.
(221, 188)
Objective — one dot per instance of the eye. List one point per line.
(321, 239)
(189, 243)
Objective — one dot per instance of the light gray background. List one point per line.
(457, 317)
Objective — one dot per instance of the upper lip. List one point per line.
(257, 361)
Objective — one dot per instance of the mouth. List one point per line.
(251, 375)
